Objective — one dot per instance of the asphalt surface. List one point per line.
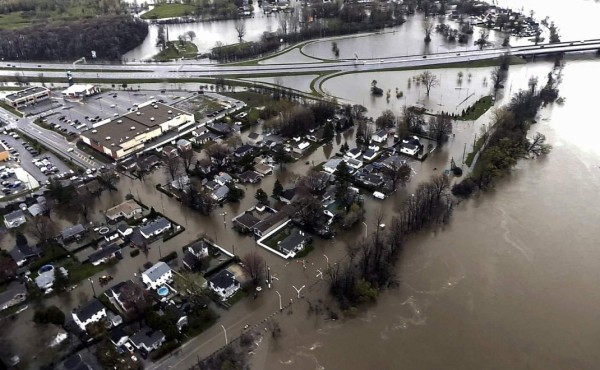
(187, 71)
(25, 159)
(50, 139)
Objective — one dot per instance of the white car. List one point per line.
(129, 347)
(70, 150)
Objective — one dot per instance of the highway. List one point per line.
(183, 71)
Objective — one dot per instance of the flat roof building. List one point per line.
(26, 96)
(127, 134)
(80, 91)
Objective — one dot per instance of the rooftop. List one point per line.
(155, 225)
(156, 271)
(13, 216)
(223, 279)
(30, 91)
(292, 241)
(71, 231)
(126, 127)
(88, 310)
(124, 208)
(103, 253)
(147, 336)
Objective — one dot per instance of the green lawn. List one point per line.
(251, 99)
(176, 50)
(80, 271)
(478, 144)
(478, 109)
(11, 109)
(169, 11)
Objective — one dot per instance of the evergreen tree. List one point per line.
(277, 189)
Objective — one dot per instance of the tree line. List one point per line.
(110, 37)
(331, 19)
(507, 141)
(370, 261)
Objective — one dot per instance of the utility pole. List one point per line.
(298, 290)
(280, 306)
(92, 284)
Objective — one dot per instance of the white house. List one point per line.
(301, 147)
(157, 275)
(379, 136)
(331, 165)
(409, 149)
(14, 219)
(224, 284)
(147, 339)
(353, 153)
(155, 228)
(91, 312)
(127, 209)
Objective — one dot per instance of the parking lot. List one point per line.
(41, 165)
(74, 117)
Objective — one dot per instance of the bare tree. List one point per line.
(42, 228)
(109, 179)
(135, 299)
(538, 145)
(173, 167)
(498, 76)
(483, 38)
(397, 173)
(240, 28)
(284, 21)
(428, 80)
(188, 157)
(218, 153)
(191, 35)
(234, 141)
(386, 120)
(254, 265)
(427, 29)
(440, 128)
(315, 181)
(294, 22)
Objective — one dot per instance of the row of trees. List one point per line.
(370, 263)
(110, 37)
(507, 139)
(330, 19)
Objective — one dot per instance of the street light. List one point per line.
(225, 331)
(366, 228)
(92, 284)
(280, 306)
(298, 290)
(326, 258)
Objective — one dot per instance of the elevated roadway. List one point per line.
(183, 71)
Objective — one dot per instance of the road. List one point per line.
(50, 139)
(183, 71)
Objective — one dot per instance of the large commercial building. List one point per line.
(27, 96)
(125, 135)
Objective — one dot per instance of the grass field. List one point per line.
(176, 50)
(169, 11)
(478, 109)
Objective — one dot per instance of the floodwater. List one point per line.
(512, 282)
